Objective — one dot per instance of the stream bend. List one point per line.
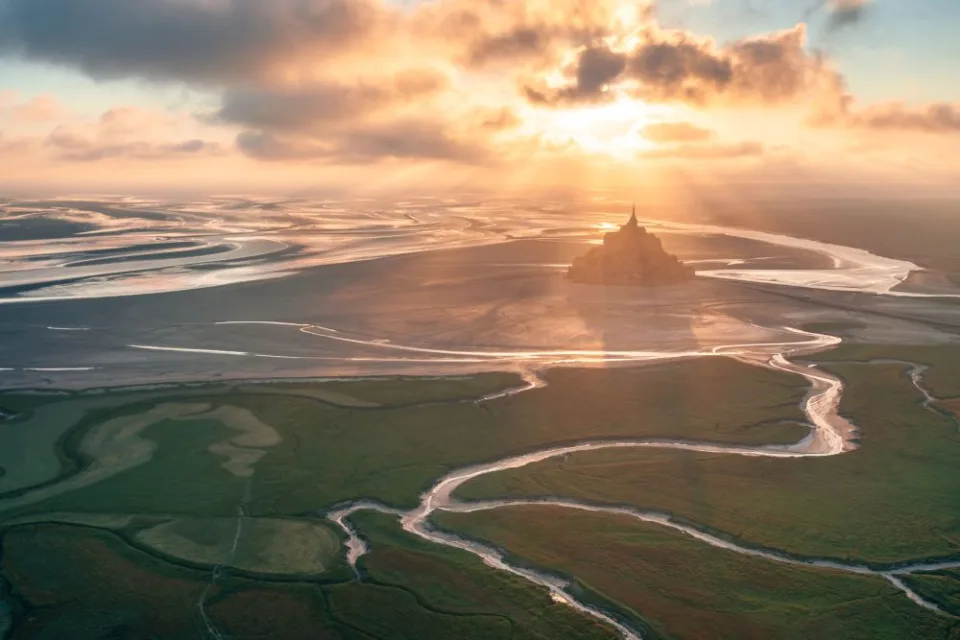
(830, 434)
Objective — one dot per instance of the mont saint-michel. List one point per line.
(630, 256)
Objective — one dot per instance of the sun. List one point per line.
(612, 129)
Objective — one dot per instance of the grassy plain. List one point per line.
(264, 546)
(941, 587)
(459, 583)
(942, 379)
(687, 590)
(329, 454)
(129, 552)
(86, 583)
(891, 501)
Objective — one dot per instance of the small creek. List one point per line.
(830, 434)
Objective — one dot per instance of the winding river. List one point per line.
(830, 434)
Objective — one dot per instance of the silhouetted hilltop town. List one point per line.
(631, 255)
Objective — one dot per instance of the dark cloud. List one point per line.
(297, 108)
(191, 146)
(673, 66)
(310, 106)
(774, 68)
(676, 69)
(267, 146)
(419, 139)
(478, 33)
(676, 132)
(519, 42)
(596, 67)
(843, 13)
(196, 40)
(75, 147)
(347, 123)
(409, 139)
(239, 40)
(544, 97)
(846, 16)
(679, 69)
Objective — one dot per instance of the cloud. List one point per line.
(36, 110)
(675, 66)
(295, 77)
(708, 151)
(124, 132)
(316, 105)
(230, 41)
(676, 132)
(893, 117)
(358, 81)
(121, 121)
(411, 139)
(499, 119)
(75, 147)
(42, 108)
(596, 67)
(519, 42)
(482, 33)
(367, 120)
(679, 68)
(206, 40)
(844, 13)
(15, 146)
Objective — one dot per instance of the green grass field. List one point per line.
(86, 583)
(458, 583)
(266, 547)
(940, 587)
(685, 589)
(140, 494)
(942, 379)
(892, 500)
(328, 454)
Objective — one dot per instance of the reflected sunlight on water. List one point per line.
(58, 249)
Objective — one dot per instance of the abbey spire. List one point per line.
(630, 255)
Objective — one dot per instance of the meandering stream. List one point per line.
(830, 434)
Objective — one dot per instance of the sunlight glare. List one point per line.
(611, 129)
(627, 14)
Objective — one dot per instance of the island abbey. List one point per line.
(631, 255)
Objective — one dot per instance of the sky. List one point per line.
(514, 95)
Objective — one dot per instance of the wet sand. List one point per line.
(147, 291)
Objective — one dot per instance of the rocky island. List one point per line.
(631, 255)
